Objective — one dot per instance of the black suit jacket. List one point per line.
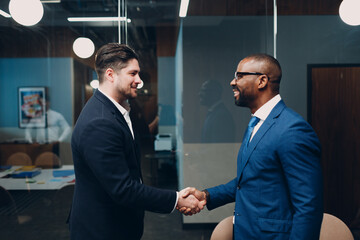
(109, 198)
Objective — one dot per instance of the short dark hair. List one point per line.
(113, 55)
(272, 62)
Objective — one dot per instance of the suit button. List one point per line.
(238, 187)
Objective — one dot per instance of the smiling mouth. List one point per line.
(236, 93)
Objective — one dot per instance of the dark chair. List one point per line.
(8, 210)
(62, 201)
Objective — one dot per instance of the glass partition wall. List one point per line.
(212, 125)
(186, 66)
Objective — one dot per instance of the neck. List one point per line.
(109, 90)
(261, 101)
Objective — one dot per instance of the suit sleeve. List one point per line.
(299, 153)
(103, 148)
(222, 194)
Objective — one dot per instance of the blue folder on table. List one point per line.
(63, 173)
(26, 174)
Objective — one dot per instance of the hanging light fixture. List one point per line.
(94, 84)
(140, 85)
(83, 47)
(349, 12)
(26, 12)
(183, 8)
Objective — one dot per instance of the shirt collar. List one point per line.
(124, 107)
(264, 111)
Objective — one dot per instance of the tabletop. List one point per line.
(48, 179)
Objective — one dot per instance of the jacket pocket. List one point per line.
(275, 225)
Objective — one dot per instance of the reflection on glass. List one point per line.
(218, 125)
(57, 129)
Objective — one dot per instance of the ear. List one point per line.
(263, 82)
(109, 74)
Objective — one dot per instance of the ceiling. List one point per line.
(152, 31)
(144, 15)
(146, 18)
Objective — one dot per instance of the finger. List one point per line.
(202, 204)
(196, 210)
(183, 209)
(189, 190)
(185, 192)
(188, 210)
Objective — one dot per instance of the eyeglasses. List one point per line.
(239, 75)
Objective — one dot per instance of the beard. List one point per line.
(243, 100)
(240, 100)
(240, 103)
(128, 93)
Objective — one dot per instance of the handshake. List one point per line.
(191, 201)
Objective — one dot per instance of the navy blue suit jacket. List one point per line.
(109, 198)
(278, 190)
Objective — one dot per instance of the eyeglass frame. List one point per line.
(253, 73)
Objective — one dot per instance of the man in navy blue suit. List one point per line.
(110, 197)
(278, 190)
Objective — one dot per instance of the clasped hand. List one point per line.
(191, 201)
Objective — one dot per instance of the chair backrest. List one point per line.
(332, 228)
(19, 158)
(61, 203)
(7, 204)
(5, 197)
(224, 230)
(48, 160)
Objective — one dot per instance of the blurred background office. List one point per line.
(316, 41)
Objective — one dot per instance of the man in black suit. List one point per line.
(110, 197)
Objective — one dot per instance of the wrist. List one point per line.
(207, 195)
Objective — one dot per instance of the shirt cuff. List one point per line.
(177, 198)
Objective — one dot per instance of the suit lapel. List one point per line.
(113, 109)
(268, 123)
(120, 119)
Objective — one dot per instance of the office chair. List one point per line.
(62, 200)
(8, 210)
(19, 158)
(332, 228)
(48, 160)
(224, 230)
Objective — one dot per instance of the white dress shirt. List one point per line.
(263, 112)
(57, 129)
(124, 108)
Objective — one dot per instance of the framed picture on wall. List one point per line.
(32, 107)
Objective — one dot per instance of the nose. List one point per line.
(138, 79)
(233, 83)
